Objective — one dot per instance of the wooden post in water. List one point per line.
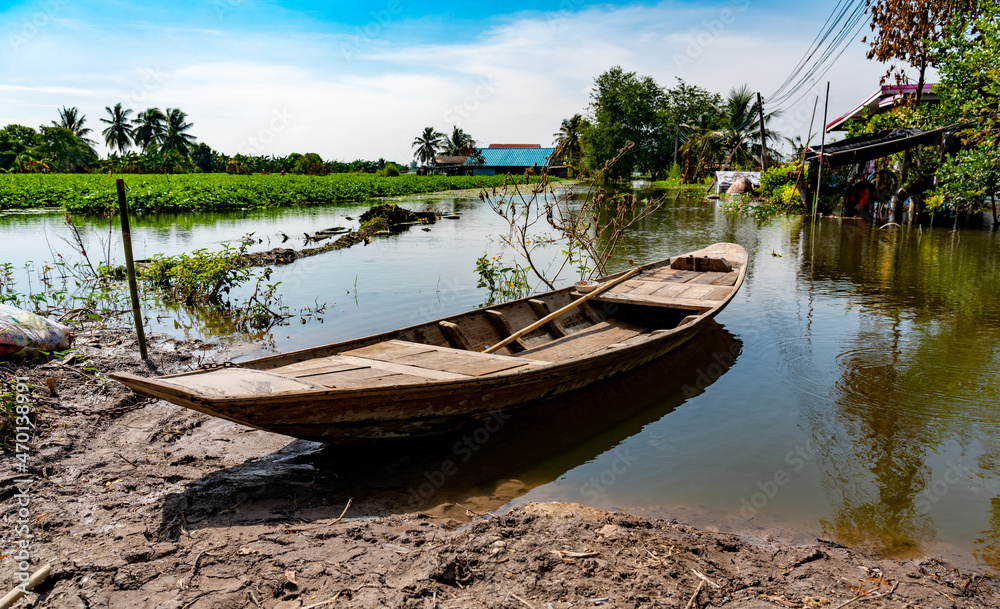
(763, 142)
(130, 268)
(822, 145)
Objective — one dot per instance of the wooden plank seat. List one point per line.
(587, 341)
(396, 362)
(435, 358)
(675, 288)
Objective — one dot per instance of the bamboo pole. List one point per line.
(15, 595)
(130, 268)
(541, 322)
(822, 145)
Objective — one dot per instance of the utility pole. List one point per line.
(763, 142)
(822, 147)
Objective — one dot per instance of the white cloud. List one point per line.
(279, 92)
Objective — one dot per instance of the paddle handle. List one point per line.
(541, 322)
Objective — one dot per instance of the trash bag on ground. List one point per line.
(20, 329)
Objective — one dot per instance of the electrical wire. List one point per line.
(847, 19)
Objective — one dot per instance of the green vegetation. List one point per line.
(82, 193)
(684, 126)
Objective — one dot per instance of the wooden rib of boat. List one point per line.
(436, 375)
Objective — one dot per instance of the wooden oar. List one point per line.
(541, 322)
(15, 595)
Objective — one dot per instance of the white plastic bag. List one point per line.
(20, 329)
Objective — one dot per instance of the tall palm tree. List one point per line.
(427, 144)
(119, 132)
(569, 135)
(740, 128)
(148, 128)
(71, 119)
(732, 136)
(175, 137)
(458, 142)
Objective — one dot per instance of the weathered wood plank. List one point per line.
(472, 364)
(298, 369)
(718, 294)
(237, 381)
(504, 330)
(455, 336)
(672, 302)
(389, 349)
(366, 378)
(641, 287)
(668, 290)
(706, 278)
(701, 263)
(397, 368)
(584, 342)
(681, 276)
(541, 309)
(695, 292)
(727, 279)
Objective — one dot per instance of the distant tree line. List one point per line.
(155, 141)
(684, 124)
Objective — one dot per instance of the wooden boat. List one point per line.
(476, 365)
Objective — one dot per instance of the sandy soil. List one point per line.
(144, 504)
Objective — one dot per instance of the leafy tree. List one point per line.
(202, 156)
(730, 137)
(688, 108)
(175, 136)
(311, 164)
(119, 132)
(905, 31)
(625, 108)
(71, 119)
(569, 138)
(14, 141)
(969, 64)
(62, 150)
(458, 143)
(148, 128)
(739, 128)
(427, 144)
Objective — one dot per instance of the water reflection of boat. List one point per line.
(435, 375)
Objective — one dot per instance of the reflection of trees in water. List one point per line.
(880, 473)
(917, 376)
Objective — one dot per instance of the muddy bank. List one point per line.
(144, 504)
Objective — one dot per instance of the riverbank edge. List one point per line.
(122, 505)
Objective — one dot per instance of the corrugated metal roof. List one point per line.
(513, 157)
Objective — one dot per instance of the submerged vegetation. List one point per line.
(81, 193)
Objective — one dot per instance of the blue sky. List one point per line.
(361, 80)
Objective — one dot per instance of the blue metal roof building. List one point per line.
(509, 159)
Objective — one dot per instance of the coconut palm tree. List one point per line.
(147, 130)
(568, 137)
(175, 137)
(732, 136)
(459, 142)
(119, 132)
(71, 119)
(427, 144)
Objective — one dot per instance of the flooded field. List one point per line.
(849, 392)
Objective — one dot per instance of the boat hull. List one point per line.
(305, 409)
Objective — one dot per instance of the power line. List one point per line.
(814, 45)
(847, 19)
